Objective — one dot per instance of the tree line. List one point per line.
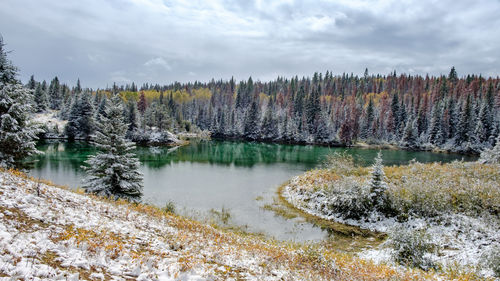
(447, 112)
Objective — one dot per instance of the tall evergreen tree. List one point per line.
(463, 129)
(113, 172)
(313, 109)
(435, 132)
(366, 131)
(8, 71)
(81, 117)
(269, 127)
(252, 122)
(55, 98)
(141, 104)
(31, 83)
(40, 98)
(17, 133)
(132, 117)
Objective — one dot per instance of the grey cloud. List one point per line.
(163, 41)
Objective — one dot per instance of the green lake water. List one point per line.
(222, 174)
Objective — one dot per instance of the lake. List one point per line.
(240, 177)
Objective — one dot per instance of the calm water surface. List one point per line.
(215, 174)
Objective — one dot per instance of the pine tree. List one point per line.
(141, 104)
(132, 117)
(113, 172)
(41, 102)
(252, 123)
(8, 71)
(453, 77)
(101, 109)
(86, 120)
(71, 128)
(322, 131)
(55, 94)
(31, 83)
(81, 117)
(17, 133)
(366, 131)
(313, 109)
(410, 136)
(462, 134)
(395, 113)
(377, 183)
(269, 127)
(435, 133)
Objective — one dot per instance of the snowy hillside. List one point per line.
(50, 233)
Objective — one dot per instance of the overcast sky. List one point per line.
(157, 41)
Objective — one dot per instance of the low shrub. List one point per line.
(349, 198)
(412, 248)
(169, 207)
(492, 260)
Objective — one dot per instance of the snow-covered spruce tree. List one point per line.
(41, 101)
(113, 172)
(491, 156)
(377, 185)
(410, 135)
(17, 133)
(81, 117)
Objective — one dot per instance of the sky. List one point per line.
(162, 41)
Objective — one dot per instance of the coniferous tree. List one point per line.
(410, 135)
(435, 132)
(252, 123)
(367, 126)
(31, 83)
(269, 127)
(453, 77)
(113, 172)
(463, 128)
(395, 113)
(17, 133)
(377, 183)
(8, 71)
(141, 104)
(132, 117)
(40, 98)
(86, 120)
(55, 94)
(81, 117)
(313, 110)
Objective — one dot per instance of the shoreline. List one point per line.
(76, 235)
(465, 251)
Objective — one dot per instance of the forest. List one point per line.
(449, 113)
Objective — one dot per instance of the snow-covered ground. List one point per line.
(50, 119)
(462, 239)
(50, 233)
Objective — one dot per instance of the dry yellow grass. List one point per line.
(305, 261)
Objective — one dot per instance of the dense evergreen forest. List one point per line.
(453, 113)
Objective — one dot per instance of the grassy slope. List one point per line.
(428, 191)
(64, 233)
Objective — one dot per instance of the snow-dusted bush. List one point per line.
(491, 156)
(412, 247)
(341, 163)
(349, 198)
(492, 260)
